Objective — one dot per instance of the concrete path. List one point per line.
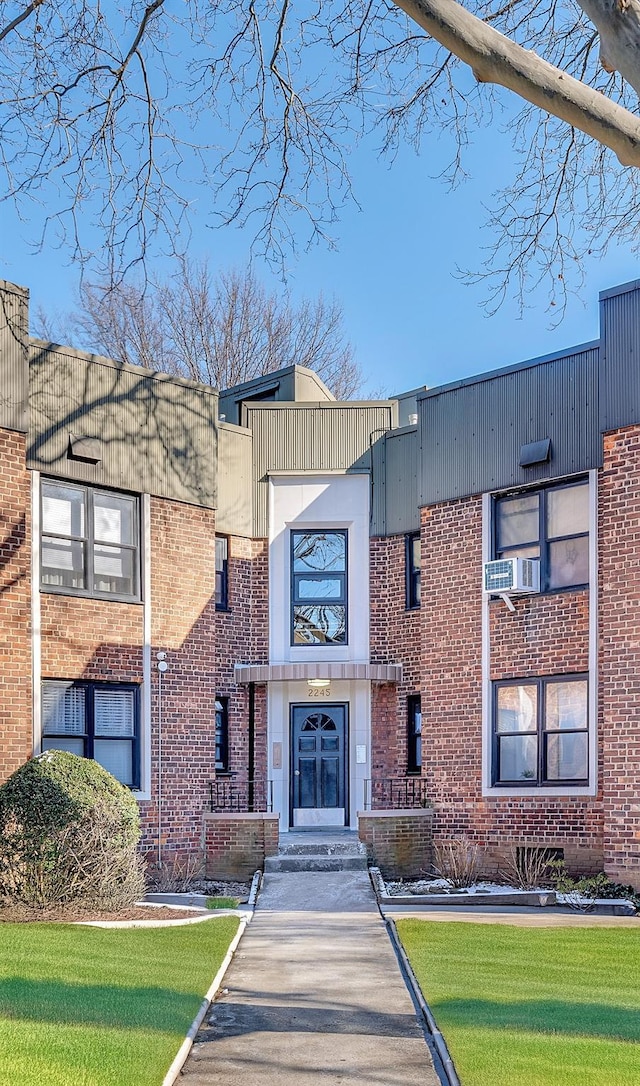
(314, 995)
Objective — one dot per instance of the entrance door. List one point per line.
(318, 765)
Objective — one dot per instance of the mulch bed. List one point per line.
(21, 914)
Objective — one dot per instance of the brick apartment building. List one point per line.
(263, 609)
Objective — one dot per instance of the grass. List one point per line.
(532, 1006)
(82, 1006)
(222, 902)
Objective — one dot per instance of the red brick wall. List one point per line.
(546, 635)
(236, 845)
(90, 639)
(242, 636)
(16, 736)
(400, 843)
(619, 632)
(394, 639)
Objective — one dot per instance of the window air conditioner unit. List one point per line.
(508, 576)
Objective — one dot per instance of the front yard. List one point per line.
(532, 1006)
(82, 1006)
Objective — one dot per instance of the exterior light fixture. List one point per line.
(319, 682)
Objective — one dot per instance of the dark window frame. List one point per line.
(341, 601)
(542, 683)
(543, 539)
(88, 543)
(89, 737)
(222, 574)
(222, 733)
(414, 737)
(412, 573)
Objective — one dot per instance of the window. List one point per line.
(89, 541)
(222, 735)
(550, 524)
(541, 731)
(412, 569)
(222, 573)
(94, 720)
(414, 734)
(319, 588)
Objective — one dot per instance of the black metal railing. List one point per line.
(242, 797)
(393, 793)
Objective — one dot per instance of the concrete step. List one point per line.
(314, 861)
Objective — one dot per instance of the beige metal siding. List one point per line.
(14, 356)
(156, 434)
(312, 437)
(234, 515)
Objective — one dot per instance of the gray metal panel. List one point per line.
(472, 434)
(402, 512)
(14, 356)
(317, 437)
(157, 434)
(234, 515)
(620, 364)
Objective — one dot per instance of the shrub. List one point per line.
(68, 834)
(458, 861)
(530, 868)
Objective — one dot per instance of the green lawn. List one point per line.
(83, 1006)
(532, 1006)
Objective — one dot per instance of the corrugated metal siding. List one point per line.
(157, 434)
(311, 437)
(234, 515)
(397, 481)
(620, 365)
(14, 356)
(472, 434)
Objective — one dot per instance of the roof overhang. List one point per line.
(282, 673)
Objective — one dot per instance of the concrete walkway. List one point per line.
(314, 995)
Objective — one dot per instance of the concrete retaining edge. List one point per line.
(185, 1048)
(438, 1040)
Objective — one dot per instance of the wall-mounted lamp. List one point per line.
(319, 682)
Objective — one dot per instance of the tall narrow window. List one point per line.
(222, 734)
(222, 573)
(90, 541)
(541, 731)
(551, 524)
(414, 734)
(94, 720)
(319, 588)
(412, 569)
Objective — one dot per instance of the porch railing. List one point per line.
(242, 797)
(392, 793)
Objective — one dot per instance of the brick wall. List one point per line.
(546, 635)
(619, 631)
(236, 845)
(394, 638)
(400, 843)
(16, 738)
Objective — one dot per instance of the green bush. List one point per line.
(68, 834)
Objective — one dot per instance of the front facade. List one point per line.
(265, 610)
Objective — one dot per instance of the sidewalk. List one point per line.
(314, 995)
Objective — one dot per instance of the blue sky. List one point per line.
(394, 270)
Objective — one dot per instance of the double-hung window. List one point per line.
(222, 573)
(90, 541)
(541, 730)
(551, 524)
(94, 720)
(412, 570)
(414, 734)
(318, 588)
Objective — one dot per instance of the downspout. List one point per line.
(252, 743)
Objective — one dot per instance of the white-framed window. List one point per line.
(549, 523)
(90, 543)
(94, 720)
(541, 731)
